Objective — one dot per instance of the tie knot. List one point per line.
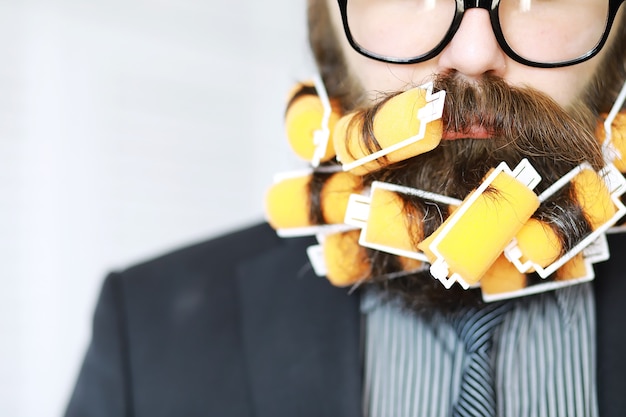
(475, 326)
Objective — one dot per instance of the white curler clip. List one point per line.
(608, 150)
(321, 136)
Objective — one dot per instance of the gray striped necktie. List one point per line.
(475, 329)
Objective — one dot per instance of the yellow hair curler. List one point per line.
(406, 125)
(537, 247)
(538, 244)
(387, 224)
(575, 268)
(594, 198)
(464, 247)
(502, 277)
(309, 123)
(288, 201)
(335, 194)
(346, 261)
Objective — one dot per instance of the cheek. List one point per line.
(379, 77)
(375, 77)
(564, 85)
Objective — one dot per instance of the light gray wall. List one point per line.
(127, 128)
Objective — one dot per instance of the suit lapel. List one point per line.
(610, 290)
(301, 337)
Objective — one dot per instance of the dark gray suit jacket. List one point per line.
(240, 326)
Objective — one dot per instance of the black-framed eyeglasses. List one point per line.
(537, 33)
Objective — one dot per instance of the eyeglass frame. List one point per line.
(492, 6)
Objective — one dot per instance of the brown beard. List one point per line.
(523, 124)
(455, 167)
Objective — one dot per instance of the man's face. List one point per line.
(540, 114)
(473, 52)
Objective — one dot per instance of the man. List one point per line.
(241, 326)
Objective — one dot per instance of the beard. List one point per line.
(521, 123)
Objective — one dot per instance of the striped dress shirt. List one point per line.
(543, 354)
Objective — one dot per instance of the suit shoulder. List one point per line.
(195, 283)
(215, 254)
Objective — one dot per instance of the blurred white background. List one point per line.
(127, 128)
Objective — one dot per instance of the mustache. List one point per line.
(520, 120)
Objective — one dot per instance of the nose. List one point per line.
(474, 50)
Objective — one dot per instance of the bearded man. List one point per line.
(241, 326)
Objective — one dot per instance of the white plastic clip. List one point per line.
(608, 149)
(316, 257)
(358, 210)
(321, 136)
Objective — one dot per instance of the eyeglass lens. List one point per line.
(546, 31)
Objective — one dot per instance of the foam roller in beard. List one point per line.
(470, 240)
(580, 267)
(387, 226)
(304, 121)
(504, 281)
(501, 277)
(288, 201)
(538, 248)
(387, 223)
(594, 198)
(537, 243)
(345, 260)
(406, 125)
(335, 194)
(575, 268)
